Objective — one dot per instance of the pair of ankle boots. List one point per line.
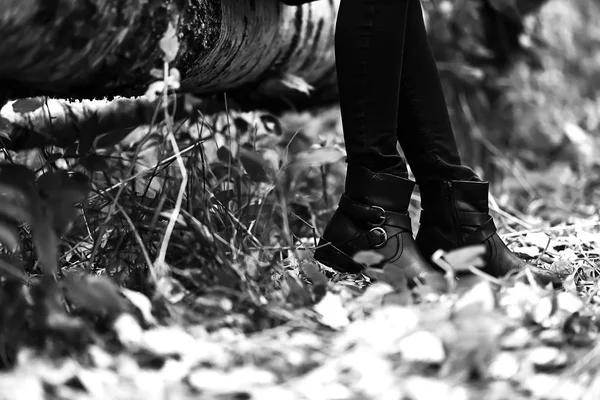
(373, 215)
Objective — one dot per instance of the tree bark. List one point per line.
(255, 50)
(97, 48)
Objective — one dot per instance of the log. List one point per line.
(260, 51)
(96, 48)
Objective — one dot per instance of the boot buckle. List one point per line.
(382, 216)
(381, 232)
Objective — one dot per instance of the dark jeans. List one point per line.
(390, 92)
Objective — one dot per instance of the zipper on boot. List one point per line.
(453, 213)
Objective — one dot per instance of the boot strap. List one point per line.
(366, 214)
(384, 224)
(484, 222)
(485, 231)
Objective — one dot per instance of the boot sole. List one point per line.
(333, 258)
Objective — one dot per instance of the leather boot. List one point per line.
(372, 215)
(456, 214)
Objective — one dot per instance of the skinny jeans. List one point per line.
(390, 92)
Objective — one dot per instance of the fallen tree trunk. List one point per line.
(254, 50)
(260, 48)
(96, 48)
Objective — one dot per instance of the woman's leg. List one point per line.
(454, 199)
(369, 43)
(373, 211)
(424, 129)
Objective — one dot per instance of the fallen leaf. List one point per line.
(297, 83)
(99, 357)
(21, 385)
(538, 239)
(255, 165)
(481, 297)
(552, 337)
(318, 280)
(98, 383)
(399, 298)
(463, 258)
(373, 295)
(422, 347)
(168, 341)
(551, 387)
(568, 255)
(296, 291)
(128, 331)
(332, 311)
(548, 358)
(368, 258)
(97, 294)
(569, 302)
(543, 310)
(234, 381)
(527, 251)
(421, 388)
(504, 366)
(142, 303)
(169, 43)
(516, 339)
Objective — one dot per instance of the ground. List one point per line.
(245, 312)
(189, 274)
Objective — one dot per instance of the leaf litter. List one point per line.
(331, 335)
(358, 346)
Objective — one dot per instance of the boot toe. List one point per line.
(503, 261)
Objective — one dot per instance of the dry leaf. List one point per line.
(142, 303)
(552, 337)
(527, 251)
(332, 311)
(368, 258)
(569, 302)
(128, 331)
(463, 258)
(548, 358)
(168, 341)
(481, 297)
(538, 239)
(516, 339)
(422, 347)
(543, 310)
(504, 366)
(421, 388)
(551, 387)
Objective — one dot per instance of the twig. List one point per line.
(143, 171)
(159, 263)
(138, 239)
(537, 261)
(552, 229)
(507, 215)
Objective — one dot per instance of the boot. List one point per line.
(456, 214)
(372, 215)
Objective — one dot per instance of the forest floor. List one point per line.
(256, 318)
